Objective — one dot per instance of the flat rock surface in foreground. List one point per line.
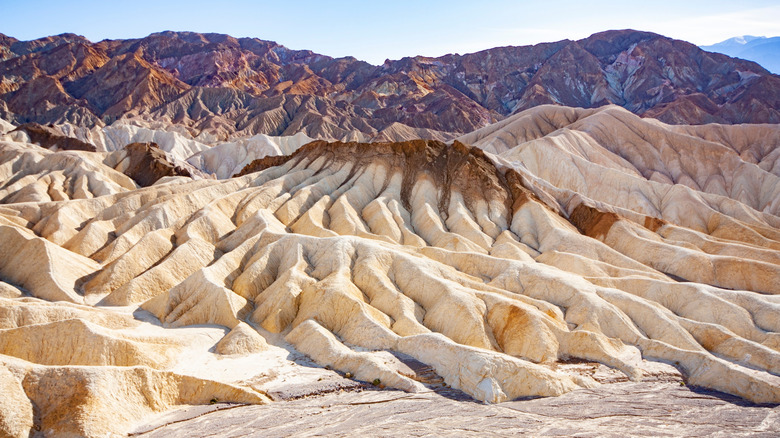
(621, 409)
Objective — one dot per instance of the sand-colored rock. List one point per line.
(78, 342)
(8, 291)
(33, 174)
(399, 132)
(242, 339)
(116, 137)
(55, 273)
(320, 344)
(95, 401)
(6, 126)
(487, 377)
(227, 159)
(30, 311)
(490, 266)
(110, 369)
(16, 411)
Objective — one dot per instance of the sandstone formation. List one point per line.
(218, 86)
(562, 233)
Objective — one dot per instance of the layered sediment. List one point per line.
(558, 234)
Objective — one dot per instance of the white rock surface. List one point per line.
(115, 137)
(6, 126)
(227, 159)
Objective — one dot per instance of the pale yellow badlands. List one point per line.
(588, 234)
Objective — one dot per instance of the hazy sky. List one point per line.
(374, 31)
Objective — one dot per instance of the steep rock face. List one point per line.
(637, 70)
(126, 84)
(228, 87)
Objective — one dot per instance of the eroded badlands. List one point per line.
(555, 234)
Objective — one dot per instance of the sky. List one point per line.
(374, 31)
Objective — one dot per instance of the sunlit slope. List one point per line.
(590, 234)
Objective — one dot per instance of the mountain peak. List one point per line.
(742, 40)
(761, 49)
(260, 86)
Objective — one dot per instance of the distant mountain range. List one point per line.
(763, 50)
(217, 86)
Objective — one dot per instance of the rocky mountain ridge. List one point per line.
(224, 87)
(763, 50)
(557, 251)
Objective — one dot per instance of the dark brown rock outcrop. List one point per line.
(456, 167)
(51, 137)
(146, 164)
